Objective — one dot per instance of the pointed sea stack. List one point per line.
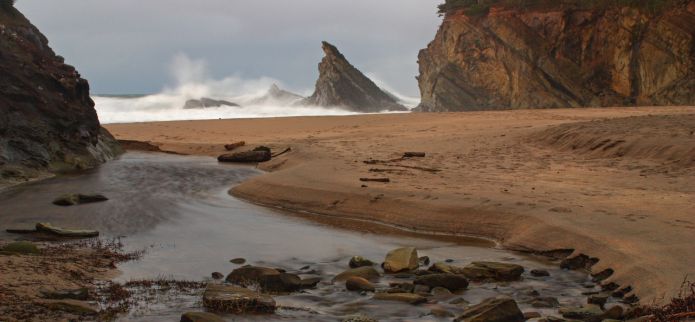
(340, 84)
(47, 118)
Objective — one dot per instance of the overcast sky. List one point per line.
(127, 46)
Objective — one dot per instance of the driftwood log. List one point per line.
(246, 157)
(230, 147)
(414, 155)
(385, 180)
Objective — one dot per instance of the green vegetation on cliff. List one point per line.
(481, 7)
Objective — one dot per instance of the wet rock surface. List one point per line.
(401, 259)
(237, 300)
(206, 103)
(493, 310)
(75, 199)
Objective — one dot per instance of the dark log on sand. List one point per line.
(246, 157)
(414, 155)
(386, 180)
(230, 147)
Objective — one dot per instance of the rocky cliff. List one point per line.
(559, 56)
(342, 85)
(47, 118)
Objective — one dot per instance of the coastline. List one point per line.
(561, 200)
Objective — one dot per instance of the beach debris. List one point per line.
(63, 232)
(283, 152)
(236, 300)
(366, 272)
(494, 309)
(200, 317)
(74, 199)
(270, 279)
(80, 294)
(359, 261)
(21, 247)
(384, 180)
(358, 284)
(452, 282)
(230, 147)
(409, 298)
(246, 157)
(401, 259)
(238, 261)
(414, 155)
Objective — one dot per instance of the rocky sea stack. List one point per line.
(500, 55)
(342, 85)
(275, 95)
(47, 118)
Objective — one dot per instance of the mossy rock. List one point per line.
(21, 247)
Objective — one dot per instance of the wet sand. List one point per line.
(615, 184)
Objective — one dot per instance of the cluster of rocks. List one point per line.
(250, 289)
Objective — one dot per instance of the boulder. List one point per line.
(501, 309)
(441, 267)
(441, 292)
(217, 275)
(70, 306)
(493, 271)
(276, 96)
(63, 232)
(200, 317)
(451, 282)
(409, 298)
(74, 199)
(238, 261)
(401, 259)
(341, 85)
(545, 302)
(539, 273)
(236, 300)
(359, 261)
(358, 284)
(366, 272)
(269, 279)
(21, 247)
(246, 157)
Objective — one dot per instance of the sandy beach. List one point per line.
(614, 184)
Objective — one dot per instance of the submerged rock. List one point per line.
(401, 259)
(359, 261)
(81, 294)
(409, 298)
(587, 312)
(75, 199)
(21, 247)
(539, 273)
(545, 302)
(207, 103)
(275, 95)
(200, 317)
(236, 300)
(341, 85)
(452, 282)
(269, 279)
(70, 306)
(366, 272)
(67, 233)
(493, 271)
(501, 309)
(358, 284)
(246, 157)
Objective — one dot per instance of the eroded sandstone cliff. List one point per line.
(47, 118)
(560, 57)
(342, 85)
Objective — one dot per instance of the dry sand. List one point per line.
(617, 184)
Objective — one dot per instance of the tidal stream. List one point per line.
(177, 208)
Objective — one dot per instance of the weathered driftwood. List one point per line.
(246, 157)
(230, 147)
(74, 199)
(375, 179)
(283, 152)
(414, 155)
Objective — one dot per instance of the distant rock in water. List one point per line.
(207, 103)
(47, 118)
(341, 85)
(275, 95)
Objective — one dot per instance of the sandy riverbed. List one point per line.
(615, 184)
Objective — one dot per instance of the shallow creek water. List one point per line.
(178, 209)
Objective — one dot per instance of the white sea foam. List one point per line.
(193, 81)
